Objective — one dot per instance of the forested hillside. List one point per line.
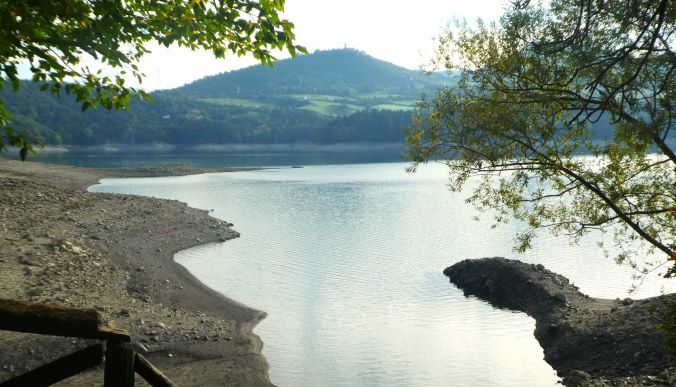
(326, 97)
(346, 73)
(176, 119)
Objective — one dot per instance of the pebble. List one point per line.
(64, 269)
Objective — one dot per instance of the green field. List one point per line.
(392, 106)
(329, 105)
(382, 94)
(332, 108)
(241, 102)
(324, 97)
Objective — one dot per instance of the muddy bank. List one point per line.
(612, 341)
(114, 253)
(78, 178)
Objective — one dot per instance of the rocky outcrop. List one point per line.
(583, 338)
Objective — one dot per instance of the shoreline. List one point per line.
(116, 253)
(208, 147)
(588, 341)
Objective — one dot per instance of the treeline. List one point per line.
(341, 72)
(178, 119)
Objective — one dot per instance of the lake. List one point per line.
(347, 261)
(225, 156)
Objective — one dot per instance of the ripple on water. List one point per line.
(347, 261)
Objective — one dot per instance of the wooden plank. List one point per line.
(119, 370)
(106, 332)
(59, 369)
(151, 374)
(57, 320)
(47, 319)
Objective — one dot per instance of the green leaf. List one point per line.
(528, 88)
(118, 33)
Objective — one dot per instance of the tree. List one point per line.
(53, 37)
(532, 88)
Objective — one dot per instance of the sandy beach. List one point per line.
(61, 244)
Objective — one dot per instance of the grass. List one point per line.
(392, 106)
(241, 102)
(332, 108)
(329, 105)
(381, 94)
(324, 97)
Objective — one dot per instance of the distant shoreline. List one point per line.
(160, 147)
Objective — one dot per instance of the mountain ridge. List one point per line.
(338, 72)
(346, 96)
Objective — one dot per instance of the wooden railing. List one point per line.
(121, 361)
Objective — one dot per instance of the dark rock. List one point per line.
(578, 377)
(579, 335)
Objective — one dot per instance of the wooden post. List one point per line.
(59, 369)
(45, 319)
(151, 374)
(119, 370)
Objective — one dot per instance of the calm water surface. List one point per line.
(347, 261)
(263, 157)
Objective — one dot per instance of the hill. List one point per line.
(333, 82)
(344, 72)
(326, 97)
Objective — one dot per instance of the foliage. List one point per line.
(530, 87)
(272, 107)
(334, 82)
(340, 72)
(179, 119)
(55, 37)
(377, 126)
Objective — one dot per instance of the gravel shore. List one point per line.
(61, 244)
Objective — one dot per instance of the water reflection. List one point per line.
(347, 262)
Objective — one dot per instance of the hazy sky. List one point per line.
(397, 31)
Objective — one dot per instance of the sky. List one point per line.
(396, 31)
